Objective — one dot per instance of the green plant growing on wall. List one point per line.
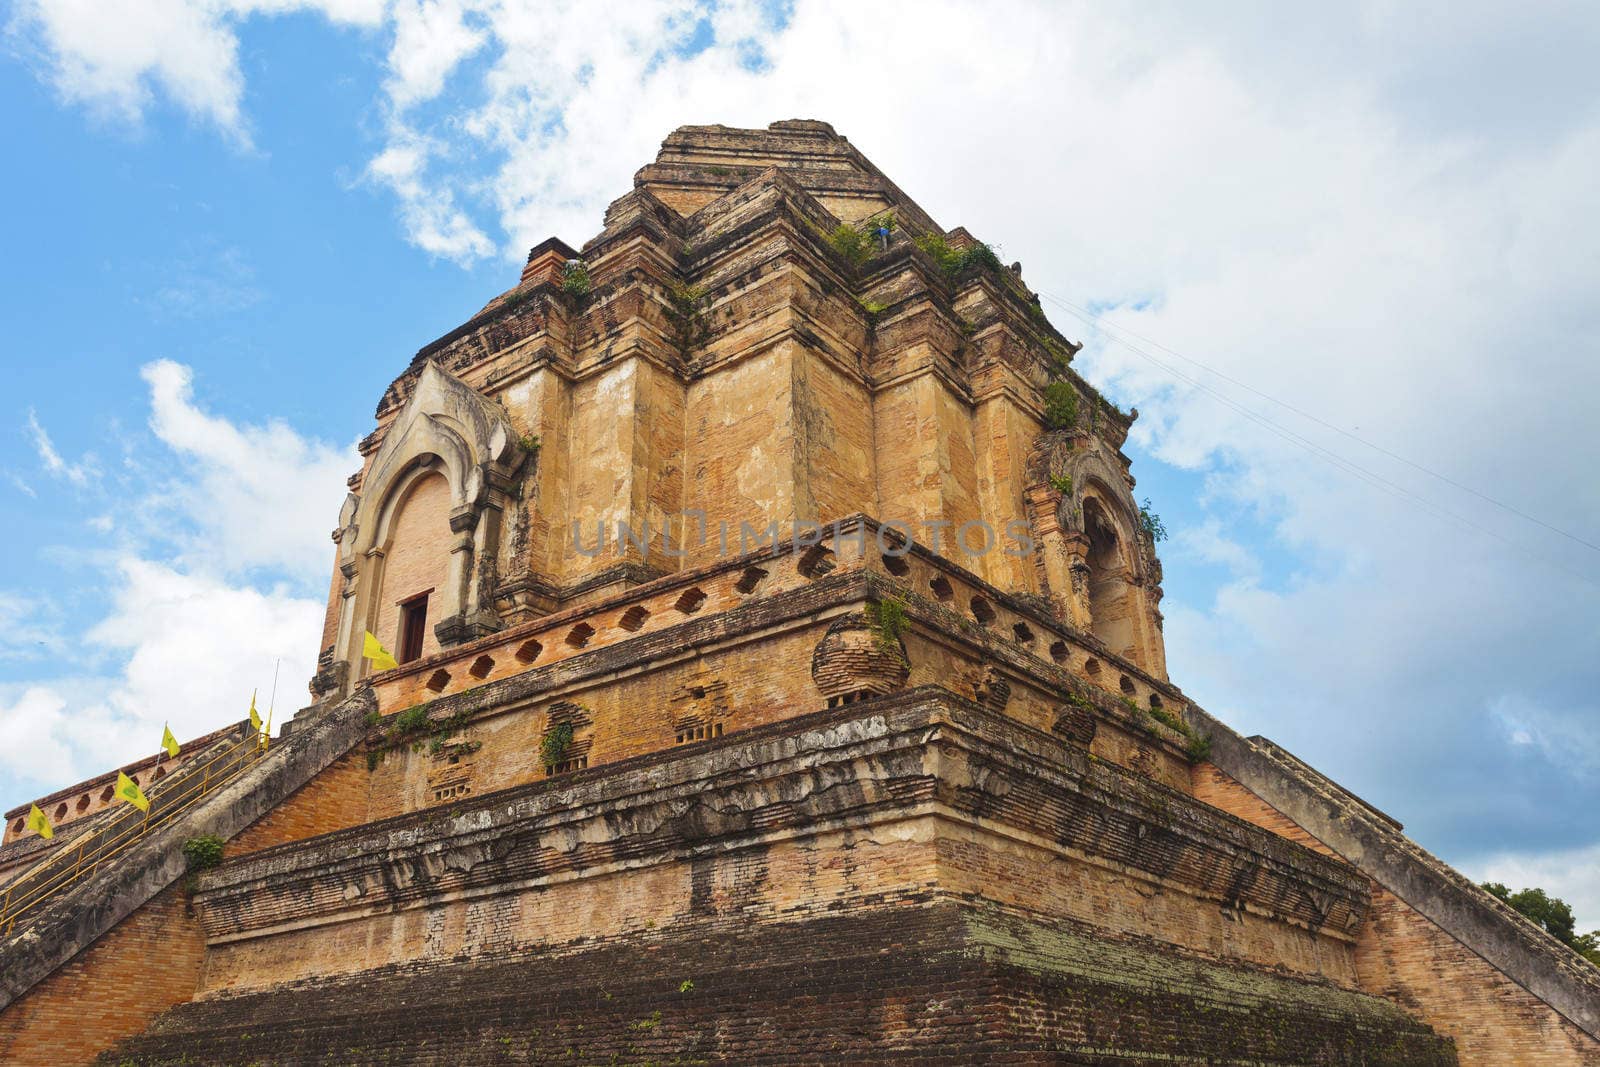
(1061, 483)
(575, 278)
(1199, 749)
(1169, 720)
(888, 621)
(936, 246)
(555, 743)
(1137, 715)
(854, 243)
(1060, 406)
(1151, 523)
(685, 306)
(408, 721)
(981, 256)
(954, 261)
(200, 854)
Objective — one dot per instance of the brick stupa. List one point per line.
(793, 771)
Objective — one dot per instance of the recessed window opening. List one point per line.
(413, 627)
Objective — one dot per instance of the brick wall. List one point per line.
(145, 965)
(334, 800)
(418, 560)
(1400, 954)
(926, 985)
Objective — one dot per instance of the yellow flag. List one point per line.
(128, 789)
(39, 824)
(255, 716)
(168, 742)
(381, 660)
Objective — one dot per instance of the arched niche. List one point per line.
(415, 540)
(1101, 575)
(1113, 603)
(458, 450)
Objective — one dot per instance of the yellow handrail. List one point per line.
(176, 794)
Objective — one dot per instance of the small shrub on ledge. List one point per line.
(1060, 406)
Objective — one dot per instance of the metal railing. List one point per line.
(80, 859)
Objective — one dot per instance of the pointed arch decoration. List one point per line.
(446, 428)
(1100, 571)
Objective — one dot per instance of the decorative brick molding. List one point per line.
(918, 753)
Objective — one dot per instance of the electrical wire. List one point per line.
(1510, 508)
(1350, 467)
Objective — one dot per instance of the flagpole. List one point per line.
(273, 696)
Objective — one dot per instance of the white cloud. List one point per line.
(184, 633)
(194, 650)
(251, 496)
(432, 220)
(79, 474)
(113, 57)
(430, 39)
(1208, 543)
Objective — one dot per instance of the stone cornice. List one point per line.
(917, 753)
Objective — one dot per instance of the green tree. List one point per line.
(1552, 915)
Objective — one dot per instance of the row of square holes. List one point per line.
(60, 814)
(984, 613)
(689, 602)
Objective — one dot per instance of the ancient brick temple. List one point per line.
(781, 681)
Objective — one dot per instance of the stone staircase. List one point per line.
(75, 916)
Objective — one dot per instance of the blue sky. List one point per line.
(232, 223)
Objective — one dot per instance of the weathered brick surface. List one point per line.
(920, 792)
(334, 800)
(1403, 955)
(940, 984)
(143, 966)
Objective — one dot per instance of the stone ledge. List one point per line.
(917, 753)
